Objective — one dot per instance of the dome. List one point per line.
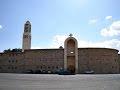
(28, 22)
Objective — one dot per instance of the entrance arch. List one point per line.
(71, 69)
(71, 55)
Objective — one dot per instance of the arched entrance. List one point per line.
(71, 69)
(71, 55)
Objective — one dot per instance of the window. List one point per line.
(15, 67)
(52, 67)
(45, 67)
(37, 67)
(57, 67)
(48, 67)
(41, 67)
(12, 68)
(0, 67)
(25, 36)
(8, 67)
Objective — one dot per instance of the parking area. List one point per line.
(59, 82)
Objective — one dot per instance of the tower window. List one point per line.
(25, 36)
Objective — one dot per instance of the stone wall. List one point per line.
(12, 62)
(44, 59)
(100, 60)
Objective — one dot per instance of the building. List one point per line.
(70, 58)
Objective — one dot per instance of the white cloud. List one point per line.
(58, 40)
(93, 21)
(112, 30)
(0, 26)
(108, 17)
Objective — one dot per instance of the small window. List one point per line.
(8, 67)
(15, 67)
(9, 61)
(57, 67)
(48, 67)
(16, 61)
(44, 66)
(41, 67)
(12, 68)
(0, 67)
(37, 67)
(52, 67)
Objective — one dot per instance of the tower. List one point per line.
(71, 54)
(26, 44)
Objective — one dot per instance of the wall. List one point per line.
(12, 62)
(44, 59)
(100, 60)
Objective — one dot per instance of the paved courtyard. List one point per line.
(59, 82)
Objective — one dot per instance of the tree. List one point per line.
(13, 50)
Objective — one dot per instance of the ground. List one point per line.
(59, 82)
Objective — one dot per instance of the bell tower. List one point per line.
(71, 54)
(26, 44)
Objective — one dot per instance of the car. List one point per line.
(89, 72)
(37, 71)
(30, 71)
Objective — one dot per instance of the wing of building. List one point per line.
(70, 58)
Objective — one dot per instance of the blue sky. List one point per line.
(95, 23)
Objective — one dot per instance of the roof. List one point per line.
(28, 22)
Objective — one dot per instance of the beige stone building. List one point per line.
(70, 58)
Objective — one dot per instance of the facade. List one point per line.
(70, 58)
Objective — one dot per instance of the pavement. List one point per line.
(9, 81)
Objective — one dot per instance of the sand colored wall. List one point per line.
(100, 60)
(44, 59)
(12, 62)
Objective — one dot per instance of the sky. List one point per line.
(94, 23)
